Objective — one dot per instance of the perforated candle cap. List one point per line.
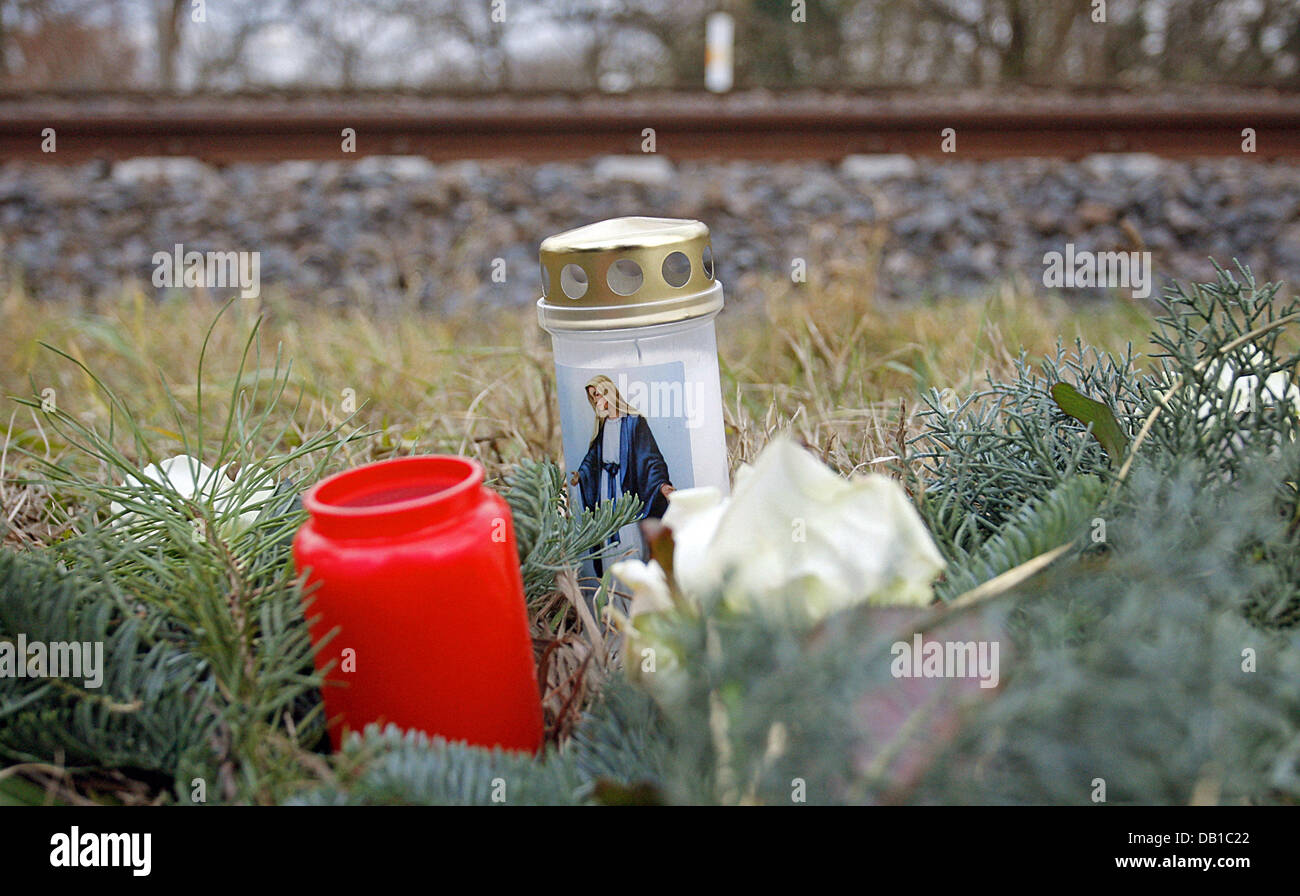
(627, 272)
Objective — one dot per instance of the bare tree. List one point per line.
(629, 43)
(168, 16)
(65, 44)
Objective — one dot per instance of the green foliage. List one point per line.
(154, 704)
(621, 739)
(1057, 518)
(179, 584)
(1212, 337)
(618, 753)
(1229, 348)
(1104, 427)
(1275, 603)
(552, 535)
(1143, 672)
(392, 767)
(984, 456)
(762, 705)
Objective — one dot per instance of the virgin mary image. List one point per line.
(623, 458)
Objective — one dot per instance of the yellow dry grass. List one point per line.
(840, 371)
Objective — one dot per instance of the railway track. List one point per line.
(761, 126)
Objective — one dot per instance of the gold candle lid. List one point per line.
(627, 272)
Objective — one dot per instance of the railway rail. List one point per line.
(762, 126)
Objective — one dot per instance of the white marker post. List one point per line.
(719, 43)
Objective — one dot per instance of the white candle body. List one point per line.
(640, 362)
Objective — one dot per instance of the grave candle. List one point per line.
(414, 561)
(630, 304)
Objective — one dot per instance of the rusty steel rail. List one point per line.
(687, 126)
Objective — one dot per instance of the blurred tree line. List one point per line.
(618, 45)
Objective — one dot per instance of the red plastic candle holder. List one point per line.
(413, 560)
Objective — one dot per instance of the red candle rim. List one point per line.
(395, 495)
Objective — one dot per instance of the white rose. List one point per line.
(1241, 390)
(792, 526)
(192, 479)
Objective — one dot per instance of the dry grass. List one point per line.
(839, 371)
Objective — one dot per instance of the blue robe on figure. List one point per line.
(640, 469)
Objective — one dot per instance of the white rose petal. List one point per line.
(693, 516)
(648, 585)
(192, 479)
(1278, 387)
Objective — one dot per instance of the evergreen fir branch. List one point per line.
(621, 737)
(1056, 518)
(150, 707)
(1228, 326)
(550, 534)
(392, 767)
(982, 459)
(758, 705)
(1276, 602)
(1143, 673)
(222, 595)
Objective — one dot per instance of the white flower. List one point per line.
(793, 527)
(192, 479)
(648, 585)
(1241, 390)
